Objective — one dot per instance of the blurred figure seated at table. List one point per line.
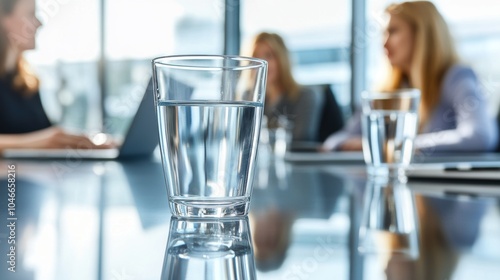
(23, 122)
(452, 114)
(287, 104)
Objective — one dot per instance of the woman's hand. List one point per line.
(348, 145)
(352, 144)
(56, 138)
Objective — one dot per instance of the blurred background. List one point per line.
(93, 56)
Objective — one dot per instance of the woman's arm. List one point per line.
(475, 130)
(49, 138)
(348, 139)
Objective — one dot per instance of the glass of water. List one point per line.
(209, 112)
(389, 125)
(209, 249)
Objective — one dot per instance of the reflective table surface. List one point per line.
(74, 219)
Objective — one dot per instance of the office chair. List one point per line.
(332, 119)
(497, 150)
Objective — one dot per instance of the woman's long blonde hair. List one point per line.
(433, 53)
(285, 78)
(24, 80)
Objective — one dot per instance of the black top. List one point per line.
(19, 113)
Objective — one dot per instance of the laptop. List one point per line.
(140, 141)
(308, 152)
(326, 157)
(458, 171)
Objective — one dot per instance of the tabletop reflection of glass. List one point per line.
(389, 225)
(215, 249)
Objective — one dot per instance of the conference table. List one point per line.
(74, 219)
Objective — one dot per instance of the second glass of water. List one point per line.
(389, 126)
(209, 112)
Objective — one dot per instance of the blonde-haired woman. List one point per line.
(285, 98)
(23, 122)
(420, 49)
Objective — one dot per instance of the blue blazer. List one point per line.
(459, 123)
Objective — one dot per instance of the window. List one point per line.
(137, 31)
(66, 61)
(69, 53)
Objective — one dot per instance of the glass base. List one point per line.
(196, 208)
(387, 171)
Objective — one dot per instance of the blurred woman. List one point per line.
(23, 122)
(452, 114)
(287, 103)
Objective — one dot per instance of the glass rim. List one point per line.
(169, 60)
(391, 94)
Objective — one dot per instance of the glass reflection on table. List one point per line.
(215, 249)
(388, 224)
(418, 237)
(449, 228)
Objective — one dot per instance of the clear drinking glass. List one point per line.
(209, 112)
(389, 126)
(215, 249)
